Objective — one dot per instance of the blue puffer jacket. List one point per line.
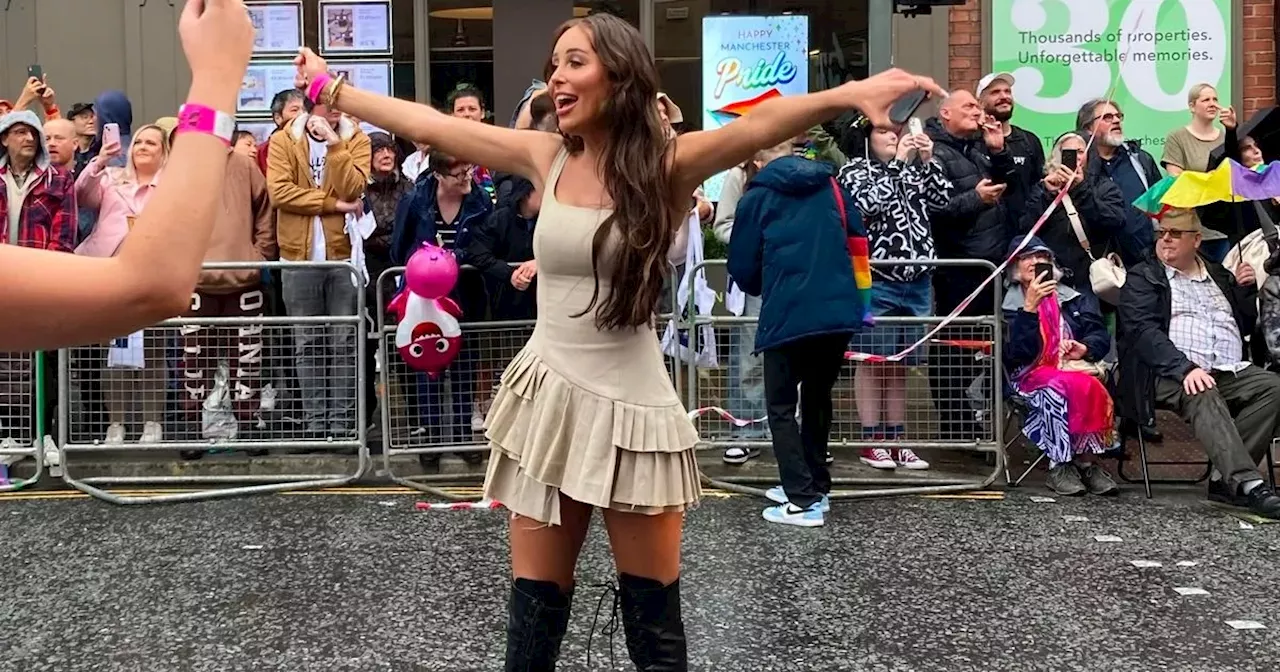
(790, 248)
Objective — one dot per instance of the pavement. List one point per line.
(359, 580)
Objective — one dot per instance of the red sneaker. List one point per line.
(878, 458)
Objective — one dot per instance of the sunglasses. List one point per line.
(1110, 117)
(1175, 234)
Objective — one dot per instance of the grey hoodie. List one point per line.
(18, 192)
(30, 119)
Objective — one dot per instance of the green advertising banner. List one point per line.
(1064, 52)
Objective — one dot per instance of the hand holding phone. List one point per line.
(905, 107)
(34, 71)
(914, 126)
(1071, 159)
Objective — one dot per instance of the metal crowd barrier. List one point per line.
(430, 418)
(216, 384)
(22, 414)
(953, 396)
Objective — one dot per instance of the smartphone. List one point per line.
(1044, 269)
(915, 127)
(110, 134)
(34, 70)
(906, 106)
(1070, 158)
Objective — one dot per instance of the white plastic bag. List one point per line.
(675, 343)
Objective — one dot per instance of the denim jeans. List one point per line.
(325, 354)
(452, 427)
(746, 377)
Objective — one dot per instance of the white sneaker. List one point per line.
(477, 418)
(152, 432)
(115, 434)
(907, 459)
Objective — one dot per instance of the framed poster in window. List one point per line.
(262, 80)
(355, 27)
(277, 26)
(372, 76)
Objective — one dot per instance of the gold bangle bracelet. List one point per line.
(331, 91)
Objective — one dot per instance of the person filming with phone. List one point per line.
(974, 224)
(1055, 340)
(1090, 219)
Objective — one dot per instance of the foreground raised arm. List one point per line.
(701, 154)
(54, 299)
(525, 153)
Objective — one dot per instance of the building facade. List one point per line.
(500, 45)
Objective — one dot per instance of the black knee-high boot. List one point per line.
(537, 617)
(652, 623)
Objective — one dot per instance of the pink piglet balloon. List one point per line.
(428, 336)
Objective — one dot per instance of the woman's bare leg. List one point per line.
(867, 389)
(646, 551)
(543, 558)
(543, 552)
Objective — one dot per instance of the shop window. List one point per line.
(460, 33)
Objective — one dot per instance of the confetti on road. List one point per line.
(1185, 592)
(1245, 526)
(1246, 625)
(1145, 564)
(1043, 500)
(1075, 519)
(1187, 563)
(252, 547)
(1107, 538)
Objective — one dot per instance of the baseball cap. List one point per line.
(987, 81)
(673, 111)
(79, 109)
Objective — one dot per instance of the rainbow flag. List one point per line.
(1229, 182)
(860, 252)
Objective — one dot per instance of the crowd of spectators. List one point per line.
(966, 184)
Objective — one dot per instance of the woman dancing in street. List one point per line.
(54, 300)
(586, 416)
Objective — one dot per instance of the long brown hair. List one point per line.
(634, 164)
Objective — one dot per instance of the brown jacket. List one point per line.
(244, 230)
(296, 196)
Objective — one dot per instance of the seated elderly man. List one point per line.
(1182, 323)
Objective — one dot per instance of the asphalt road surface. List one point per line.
(366, 583)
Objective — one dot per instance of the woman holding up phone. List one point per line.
(1098, 205)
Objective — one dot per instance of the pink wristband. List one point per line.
(317, 86)
(193, 118)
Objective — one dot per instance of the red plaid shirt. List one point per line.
(48, 219)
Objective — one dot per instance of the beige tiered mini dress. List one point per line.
(588, 413)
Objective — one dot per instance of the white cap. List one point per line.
(674, 115)
(986, 82)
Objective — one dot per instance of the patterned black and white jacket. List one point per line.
(896, 200)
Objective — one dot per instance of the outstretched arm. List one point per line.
(701, 154)
(525, 153)
(156, 269)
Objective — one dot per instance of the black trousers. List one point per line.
(814, 364)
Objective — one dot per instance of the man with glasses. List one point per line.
(1126, 164)
(445, 207)
(1182, 324)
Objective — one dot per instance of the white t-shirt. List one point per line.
(319, 155)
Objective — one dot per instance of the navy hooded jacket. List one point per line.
(418, 211)
(790, 247)
(113, 107)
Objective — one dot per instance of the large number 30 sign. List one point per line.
(1065, 52)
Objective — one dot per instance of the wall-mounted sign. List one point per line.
(372, 76)
(747, 60)
(277, 26)
(1063, 54)
(355, 27)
